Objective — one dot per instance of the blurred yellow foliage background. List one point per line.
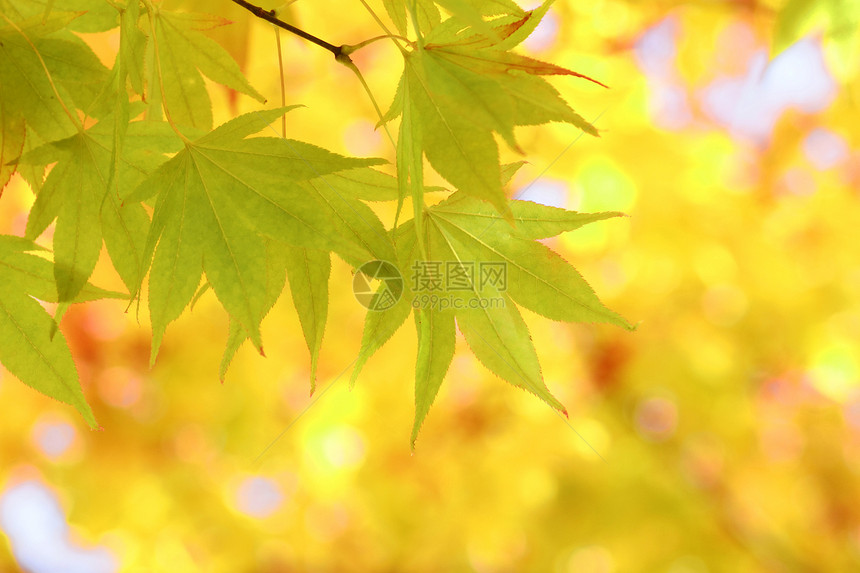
(722, 435)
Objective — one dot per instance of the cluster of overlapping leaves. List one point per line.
(136, 166)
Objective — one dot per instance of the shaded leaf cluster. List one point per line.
(183, 209)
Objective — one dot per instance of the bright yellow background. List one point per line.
(723, 435)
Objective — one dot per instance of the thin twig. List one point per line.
(269, 16)
(283, 83)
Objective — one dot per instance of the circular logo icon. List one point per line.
(377, 285)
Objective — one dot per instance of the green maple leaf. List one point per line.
(425, 10)
(91, 15)
(410, 149)
(436, 343)
(127, 69)
(357, 224)
(428, 16)
(537, 277)
(472, 12)
(182, 54)
(132, 49)
(43, 68)
(308, 268)
(13, 132)
(458, 88)
(439, 126)
(505, 31)
(248, 213)
(221, 196)
(379, 327)
(45, 72)
(79, 195)
(308, 271)
(33, 174)
(366, 184)
(30, 347)
(275, 255)
(463, 230)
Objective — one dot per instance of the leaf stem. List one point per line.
(413, 15)
(269, 16)
(283, 82)
(367, 90)
(394, 37)
(348, 49)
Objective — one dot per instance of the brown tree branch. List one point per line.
(269, 16)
